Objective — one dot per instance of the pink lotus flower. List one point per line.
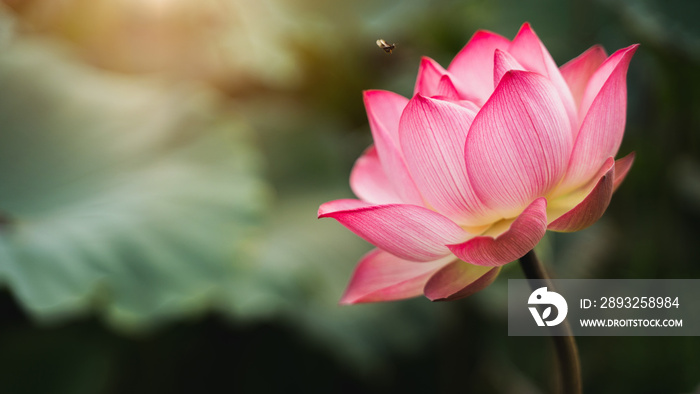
(488, 154)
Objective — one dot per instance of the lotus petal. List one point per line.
(522, 235)
(504, 62)
(429, 75)
(431, 133)
(593, 205)
(622, 167)
(384, 110)
(446, 89)
(369, 181)
(458, 280)
(531, 53)
(407, 231)
(381, 276)
(474, 64)
(604, 123)
(578, 71)
(519, 144)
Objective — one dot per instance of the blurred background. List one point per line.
(162, 161)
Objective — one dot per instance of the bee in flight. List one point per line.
(386, 47)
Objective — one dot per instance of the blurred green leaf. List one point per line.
(304, 266)
(126, 194)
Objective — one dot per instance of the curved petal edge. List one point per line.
(474, 64)
(458, 280)
(409, 232)
(592, 207)
(578, 71)
(622, 167)
(524, 233)
(432, 134)
(369, 181)
(430, 73)
(603, 125)
(518, 145)
(384, 109)
(381, 276)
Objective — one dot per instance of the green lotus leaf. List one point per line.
(126, 195)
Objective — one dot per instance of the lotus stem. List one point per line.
(564, 341)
